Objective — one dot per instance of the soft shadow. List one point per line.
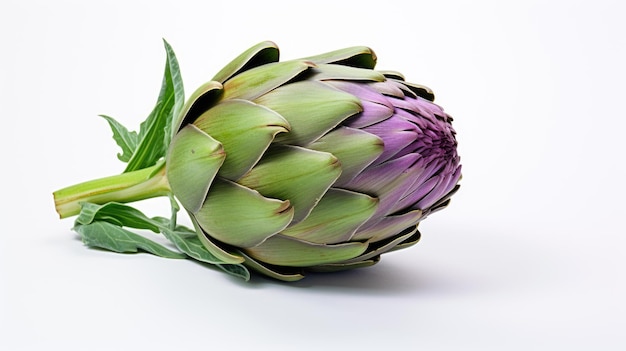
(383, 279)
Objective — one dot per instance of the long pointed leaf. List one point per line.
(116, 213)
(156, 131)
(125, 139)
(111, 237)
(101, 226)
(179, 93)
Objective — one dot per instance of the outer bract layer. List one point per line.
(315, 164)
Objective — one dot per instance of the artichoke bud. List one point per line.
(316, 164)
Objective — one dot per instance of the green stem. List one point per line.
(126, 187)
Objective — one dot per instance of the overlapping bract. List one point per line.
(315, 164)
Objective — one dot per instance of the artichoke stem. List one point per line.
(126, 187)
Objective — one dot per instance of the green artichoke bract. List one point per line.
(315, 164)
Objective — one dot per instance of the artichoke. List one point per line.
(315, 164)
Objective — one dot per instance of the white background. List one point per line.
(530, 255)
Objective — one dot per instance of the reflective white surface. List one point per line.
(529, 255)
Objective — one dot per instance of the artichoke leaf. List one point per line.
(292, 173)
(245, 129)
(342, 266)
(389, 181)
(385, 246)
(201, 99)
(192, 162)
(214, 248)
(311, 108)
(329, 72)
(286, 251)
(335, 218)
(389, 226)
(355, 149)
(239, 216)
(421, 90)
(356, 56)
(412, 240)
(257, 81)
(392, 75)
(416, 89)
(272, 272)
(260, 54)
(405, 90)
(388, 88)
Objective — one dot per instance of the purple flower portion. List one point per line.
(388, 181)
(419, 165)
(396, 133)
